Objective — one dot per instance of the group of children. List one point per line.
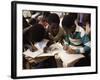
(74, 35)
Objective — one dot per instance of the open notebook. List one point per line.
(56, 49)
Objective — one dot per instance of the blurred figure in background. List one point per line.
(84, 20)
(43, 19)
(87, 24)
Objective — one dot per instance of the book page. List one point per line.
(29, 53)
(56, 49)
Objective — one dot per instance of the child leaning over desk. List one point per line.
(35, 41)
(76, 40)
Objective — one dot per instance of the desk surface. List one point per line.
(63, 55)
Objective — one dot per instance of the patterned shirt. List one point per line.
(78, 41)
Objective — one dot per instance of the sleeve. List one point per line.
(86, 44)
(60, 35)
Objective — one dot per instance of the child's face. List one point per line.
(53, 28)
(70, 30)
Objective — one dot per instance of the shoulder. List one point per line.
(61, 30)
(80, 30)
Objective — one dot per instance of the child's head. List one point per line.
(53, 18)
(73, 15)
(37, 33)
(68, 23)
(53, 21)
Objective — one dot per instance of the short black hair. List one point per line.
(53, 18)
(68, 21)
(37, 33)
(73, 15)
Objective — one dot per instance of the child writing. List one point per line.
(76, 39)
(36, 36)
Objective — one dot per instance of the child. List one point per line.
(76, 40)
(36, 34)
(75, 36)
(55, 31)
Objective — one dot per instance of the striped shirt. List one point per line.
(78, 41)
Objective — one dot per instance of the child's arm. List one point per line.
(86, 45)
(33, 47)
(86, 42)
(67, 47)
(83, 49)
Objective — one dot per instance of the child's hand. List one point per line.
(45, 50)
(71, 51)
(65, 47)
(34, 49)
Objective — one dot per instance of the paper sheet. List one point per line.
(68, 58)
(62, 54)
(28, 53)
(41, 45)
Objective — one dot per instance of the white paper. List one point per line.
(41, 45)
(68, 58)
(56, 49)
(29, 53)
(63, 55)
